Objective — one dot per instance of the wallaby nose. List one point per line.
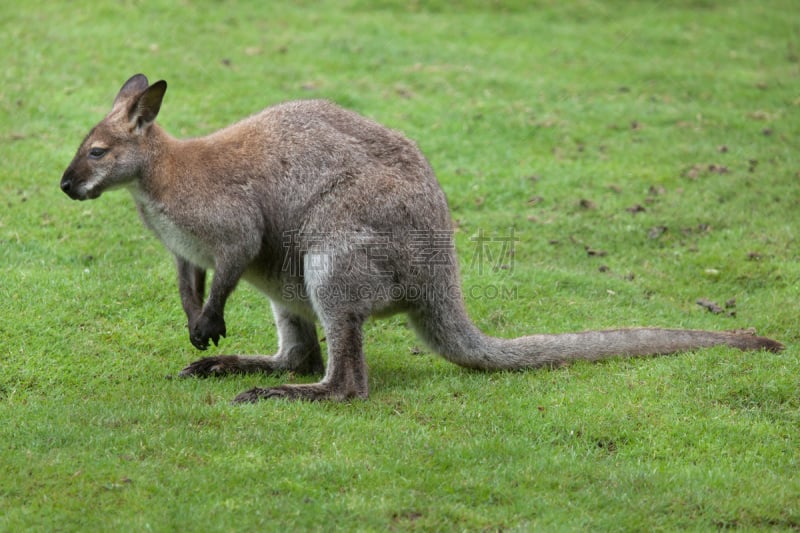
(67, 184)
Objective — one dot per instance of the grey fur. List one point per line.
(323, 211)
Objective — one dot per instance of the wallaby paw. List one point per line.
(204, 330)
(218, 365)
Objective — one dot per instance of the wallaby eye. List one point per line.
(97, 152)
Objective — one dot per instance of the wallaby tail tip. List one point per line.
(755, 342)
(770, 345)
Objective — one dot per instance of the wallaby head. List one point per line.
(115, 151)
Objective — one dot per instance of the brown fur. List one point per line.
(323, 211)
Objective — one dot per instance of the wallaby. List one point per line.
(334, 218)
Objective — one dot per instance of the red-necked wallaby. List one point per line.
(334, 218)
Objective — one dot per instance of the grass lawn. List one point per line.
(640, 156)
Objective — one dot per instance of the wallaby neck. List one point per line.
(174, 166)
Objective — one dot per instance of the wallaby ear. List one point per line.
(144, 109)
(132, 88)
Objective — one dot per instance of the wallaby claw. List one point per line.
(197, 343)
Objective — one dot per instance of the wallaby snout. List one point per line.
(77, 188)
(66, 183)
(69, 187)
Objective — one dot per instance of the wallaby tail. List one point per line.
(448, 330)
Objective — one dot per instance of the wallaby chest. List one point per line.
(175, 236)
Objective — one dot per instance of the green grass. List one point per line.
(619, 104)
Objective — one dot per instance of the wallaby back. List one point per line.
(332, 216)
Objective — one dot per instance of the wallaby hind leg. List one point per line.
(298, 351)
(342, 320)
(346, 375)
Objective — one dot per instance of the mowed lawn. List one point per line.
(608, 164)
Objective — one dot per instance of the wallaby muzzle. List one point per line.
(67, 185)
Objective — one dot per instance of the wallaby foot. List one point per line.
(224, 365)
(308, 392)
